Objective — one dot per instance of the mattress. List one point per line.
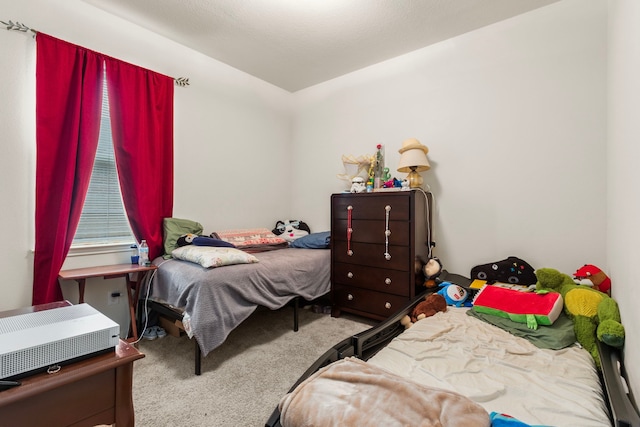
(214, 301)
(501, 372)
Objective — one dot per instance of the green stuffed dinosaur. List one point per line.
(594, 313)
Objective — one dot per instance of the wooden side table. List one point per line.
(110, 272)
(97, 390)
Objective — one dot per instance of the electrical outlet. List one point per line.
(113, 297)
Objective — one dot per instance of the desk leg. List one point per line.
(132, 310)
(80, 290)
(125, 416)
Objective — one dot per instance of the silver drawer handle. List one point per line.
(350, 275)
(387, 305)
(387, 281)
(349, 297)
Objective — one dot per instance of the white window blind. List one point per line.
(103, 219)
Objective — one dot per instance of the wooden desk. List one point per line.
(110, 272)
(86, 393)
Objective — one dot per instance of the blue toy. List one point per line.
(455, 295)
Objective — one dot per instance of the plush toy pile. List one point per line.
(594, 313)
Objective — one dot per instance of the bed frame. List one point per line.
(622, 408)
(175, 315)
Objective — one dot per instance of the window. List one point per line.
(103, 220)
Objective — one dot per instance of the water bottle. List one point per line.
(143, 254)
(135, 258)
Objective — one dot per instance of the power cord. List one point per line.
(146, 300)
(427, 220)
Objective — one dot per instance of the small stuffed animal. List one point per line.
(432, 304)
(291, 229)
(358, 185)
(594, 277)
(431, 270)
(594, 313)
(186, 239)
(455, 295)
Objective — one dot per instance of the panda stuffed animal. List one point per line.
(291, 229)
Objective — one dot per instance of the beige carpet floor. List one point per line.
(243, 380)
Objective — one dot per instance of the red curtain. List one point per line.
(68, 103)
(68, 100)
(141, 107)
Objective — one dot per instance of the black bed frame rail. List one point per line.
(175, 314)
(623, 411)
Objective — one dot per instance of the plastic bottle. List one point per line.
(143, 253)
(135, 258)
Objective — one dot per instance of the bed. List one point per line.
(210, 301)
(456, 364)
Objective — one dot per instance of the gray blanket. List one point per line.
(216, 300)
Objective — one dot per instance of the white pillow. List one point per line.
(213, 256)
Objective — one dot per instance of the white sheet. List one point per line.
(501, 372)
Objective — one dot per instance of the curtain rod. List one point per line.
(20, 27)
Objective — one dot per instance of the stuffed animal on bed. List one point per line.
(455, 295)
(431, 270)
(594, 313)
(432, 304)
(291, 229)
(591, 275)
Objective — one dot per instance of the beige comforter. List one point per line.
(350, 392)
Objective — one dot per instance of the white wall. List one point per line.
(232, 135)
(623, 202)
(514, 116)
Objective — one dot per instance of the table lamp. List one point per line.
(413, 159)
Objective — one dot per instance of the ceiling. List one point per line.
(295, 44)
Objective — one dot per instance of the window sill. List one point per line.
(100, 249)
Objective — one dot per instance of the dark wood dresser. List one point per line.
(375, 239)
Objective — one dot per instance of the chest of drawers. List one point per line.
(375, 240)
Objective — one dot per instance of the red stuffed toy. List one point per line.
(591, 274)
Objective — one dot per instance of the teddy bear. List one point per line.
(432, 304)
(595, 315)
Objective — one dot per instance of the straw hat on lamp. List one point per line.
(413, 159)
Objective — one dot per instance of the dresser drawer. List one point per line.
(379, 304)
(372, 206)
(373, 255)
(376, 279)
(369, 231)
